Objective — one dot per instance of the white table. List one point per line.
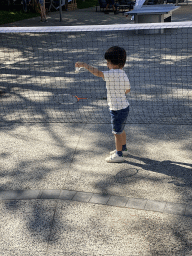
(152, 14)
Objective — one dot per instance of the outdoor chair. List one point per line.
(125, 4)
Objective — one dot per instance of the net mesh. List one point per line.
(38, 66)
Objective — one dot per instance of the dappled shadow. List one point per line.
(66, 227)
(180, 174)
(163, 236)
(37, 155)
(37, 218)
(47, 225)
(122, 177)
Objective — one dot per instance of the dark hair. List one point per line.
(116, 55)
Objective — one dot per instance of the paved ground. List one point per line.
(91, 17)
(58, 196)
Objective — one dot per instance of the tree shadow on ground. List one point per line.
(43, 227)
(180, 173)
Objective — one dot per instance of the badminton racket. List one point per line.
(67, 99)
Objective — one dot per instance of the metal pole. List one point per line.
(60, 10)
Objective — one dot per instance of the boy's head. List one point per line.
(116, 56)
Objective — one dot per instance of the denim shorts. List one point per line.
(118, 120)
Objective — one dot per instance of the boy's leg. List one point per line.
(118, 119)
(123, 138)
(120, 140)
(120, 143)
(116, 156)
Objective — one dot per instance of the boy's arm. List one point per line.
(91, 69)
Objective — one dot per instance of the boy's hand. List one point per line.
(91, 69)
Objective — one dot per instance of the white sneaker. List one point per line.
(114, 158)
(125, 152)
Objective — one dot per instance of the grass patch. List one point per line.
(12, 16)
(86, 4)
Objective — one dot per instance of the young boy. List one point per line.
(117, 84)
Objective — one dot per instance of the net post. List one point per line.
(60, 10)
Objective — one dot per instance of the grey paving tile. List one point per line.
(8, 195)
(188, 211)
(65, 253)
(19, 194)
(28, 194)
(117, 201)
(22, 252)
(67, 194)
(136, 203)
(50, 194)
(175, 208)
(155, 206)
(82, 196)
(99, 199)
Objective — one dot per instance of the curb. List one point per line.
(94, 198)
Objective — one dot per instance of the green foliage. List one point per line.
(12, 16)
(16, 15)
(86, 4)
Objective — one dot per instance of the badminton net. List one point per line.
(39, 83)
